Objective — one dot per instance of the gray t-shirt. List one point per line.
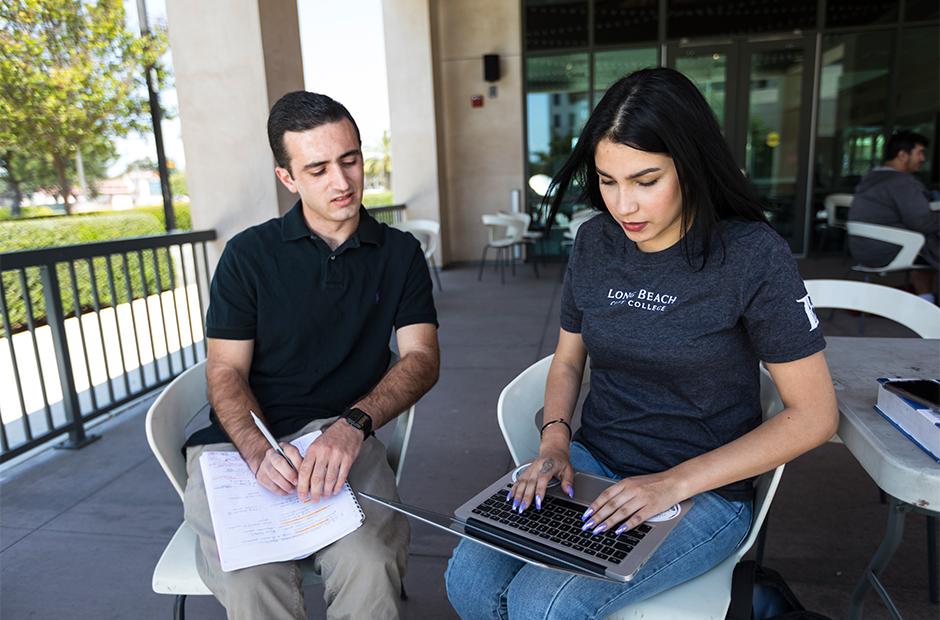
(674, 352)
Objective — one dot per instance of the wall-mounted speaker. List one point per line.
(491, 67)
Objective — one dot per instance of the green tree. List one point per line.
(381, 166)
(71, 78)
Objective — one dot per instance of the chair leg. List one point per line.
(437, 274)
(511, 257)
(762, 540)
(502, 265)
(179, 607)
(482, 264)
(404, 595)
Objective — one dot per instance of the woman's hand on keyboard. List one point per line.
(630, 502)
(530, 486)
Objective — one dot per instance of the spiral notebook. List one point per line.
(255, 526)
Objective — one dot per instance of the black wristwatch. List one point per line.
(358, 418)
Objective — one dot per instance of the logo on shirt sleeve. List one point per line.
(810, 312)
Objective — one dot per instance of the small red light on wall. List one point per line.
(476, 101)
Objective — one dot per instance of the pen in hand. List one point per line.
(267, 435)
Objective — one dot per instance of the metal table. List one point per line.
(907, 475)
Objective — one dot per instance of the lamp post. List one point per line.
(169, 217)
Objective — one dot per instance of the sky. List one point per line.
(343, 49)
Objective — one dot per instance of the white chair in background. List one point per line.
(428, 233)
(911, 311)
(917, 314)
(577, 219)
(706, 596)
(910, 241)
(503, 232)
(530, 238)
(166, 425)
(835, 206)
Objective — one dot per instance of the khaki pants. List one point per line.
(362, 572)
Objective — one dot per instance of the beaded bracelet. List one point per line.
(547, 424)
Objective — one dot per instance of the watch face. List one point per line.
(359, 419)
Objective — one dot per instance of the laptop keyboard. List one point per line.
(559, 521)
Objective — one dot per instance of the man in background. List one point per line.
(890, 195)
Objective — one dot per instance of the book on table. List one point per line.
(255, 526)
(906, 404)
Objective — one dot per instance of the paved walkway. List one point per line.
(81, 531)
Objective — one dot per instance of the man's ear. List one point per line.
(283, 175)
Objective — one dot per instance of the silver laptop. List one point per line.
(552, 537)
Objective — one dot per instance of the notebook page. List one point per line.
(255, 526)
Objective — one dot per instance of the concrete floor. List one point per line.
(81, 531)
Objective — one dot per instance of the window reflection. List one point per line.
(557, 106)
(611, 66)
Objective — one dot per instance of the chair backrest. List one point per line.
(186, 397)
(525, 395)
(832, 203)
(910, 241)
(427, 232)
(503, 228)
(765, 487)
(169, 415)
(576, 222)
(524, 218)
(914, 313)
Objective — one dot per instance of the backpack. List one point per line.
(760, 593)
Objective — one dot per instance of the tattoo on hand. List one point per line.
(547, 466)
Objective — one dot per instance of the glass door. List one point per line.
(761, 93)
(773, 129)
(712, 68)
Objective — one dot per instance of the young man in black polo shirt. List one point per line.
(300, 315)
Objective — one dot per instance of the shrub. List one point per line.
(88, 228)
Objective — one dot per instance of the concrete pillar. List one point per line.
(232, 59)
(483, 147)
(417, 169)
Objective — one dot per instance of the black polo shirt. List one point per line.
(320, 319)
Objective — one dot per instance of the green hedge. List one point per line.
(6, 214)
(88, 228)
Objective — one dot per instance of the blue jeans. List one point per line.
(482, 583)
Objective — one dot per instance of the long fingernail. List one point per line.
(522, 507)
(508, 496)
(587, 525)
(600, 528)
(620, 530)
(515, 503)
(587, 513)
(538, 502)
(569, 491)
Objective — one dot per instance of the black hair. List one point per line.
(661, 111)
(902, 141)
(299, 111)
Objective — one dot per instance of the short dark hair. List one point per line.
(903, 141)
(661, 111)
(299, 111)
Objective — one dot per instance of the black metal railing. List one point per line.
(90, 327)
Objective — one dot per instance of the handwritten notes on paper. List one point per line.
(254, 526)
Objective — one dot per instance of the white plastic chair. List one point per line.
(427, 232)
(910, 241)
(706, 596)
(832, 204)
(503, 232)
(167, 420)
(917, 314)
(911, 311)
(530, 238)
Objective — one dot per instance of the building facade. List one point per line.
(805, 91)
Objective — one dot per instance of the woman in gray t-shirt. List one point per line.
(676, 290)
